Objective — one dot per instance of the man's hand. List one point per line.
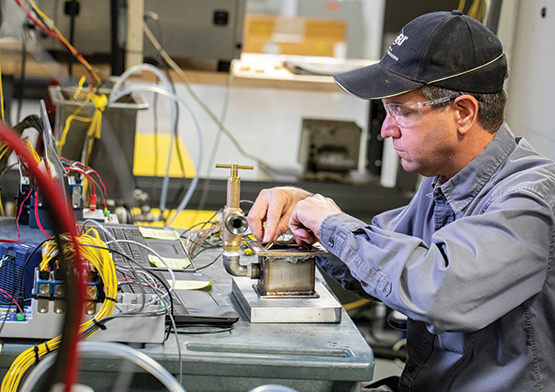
(274, 206)
(307, 217)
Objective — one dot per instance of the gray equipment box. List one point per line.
(112, 156)
(201, 30)
(329, 146)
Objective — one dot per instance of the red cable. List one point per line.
(13, 299)
(89, 170)
(37, 218)
(74, 169)
(54, 197)
(19, 214)
(101, 183)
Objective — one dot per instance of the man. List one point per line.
(469, 261)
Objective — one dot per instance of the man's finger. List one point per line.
(256, 218)
(273, 219)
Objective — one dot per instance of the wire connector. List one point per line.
(92, 205)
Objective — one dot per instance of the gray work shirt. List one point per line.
(470, 263)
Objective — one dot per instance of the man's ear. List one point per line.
(466, 107)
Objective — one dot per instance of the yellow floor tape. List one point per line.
(144, 166)
(145, 155)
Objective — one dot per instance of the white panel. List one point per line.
(532, 79)
(267, 123)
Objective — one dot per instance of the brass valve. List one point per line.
(234, 220)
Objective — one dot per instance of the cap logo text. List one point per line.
(400, 39)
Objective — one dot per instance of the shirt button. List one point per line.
(331, 243)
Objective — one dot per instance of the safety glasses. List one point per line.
(407, 114)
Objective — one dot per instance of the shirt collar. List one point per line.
(466, 184)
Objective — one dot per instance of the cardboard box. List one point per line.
(294, 36)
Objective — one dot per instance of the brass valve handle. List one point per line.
(234, 172)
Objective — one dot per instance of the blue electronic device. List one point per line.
(14, 268)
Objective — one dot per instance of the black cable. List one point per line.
(128, 208)
(7, 169)
(213, 329)
(202, 223)
(71, 8)
(31, 121)
(165, 284)
(212, 262)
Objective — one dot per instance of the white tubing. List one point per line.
(120, 350)
(114, 96)
(140, 67)
(176, 98)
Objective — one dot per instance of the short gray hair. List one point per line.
(491, 107)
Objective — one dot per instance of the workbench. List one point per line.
(330, 357)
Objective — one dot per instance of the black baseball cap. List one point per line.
(445, 49)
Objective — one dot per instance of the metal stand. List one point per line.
(324, 309)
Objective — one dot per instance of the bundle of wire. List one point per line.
(102, 262)
(63, 223)
(100, 102)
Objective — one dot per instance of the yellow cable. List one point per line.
(35, 154)
(61, 143)
(102, 261)
(78, 91)
(1, 206)
(4, 149)
(94, 131)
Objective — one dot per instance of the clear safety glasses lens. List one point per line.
(408, 114)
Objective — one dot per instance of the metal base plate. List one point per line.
(325, 309)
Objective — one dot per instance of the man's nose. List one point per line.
(390, 127)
